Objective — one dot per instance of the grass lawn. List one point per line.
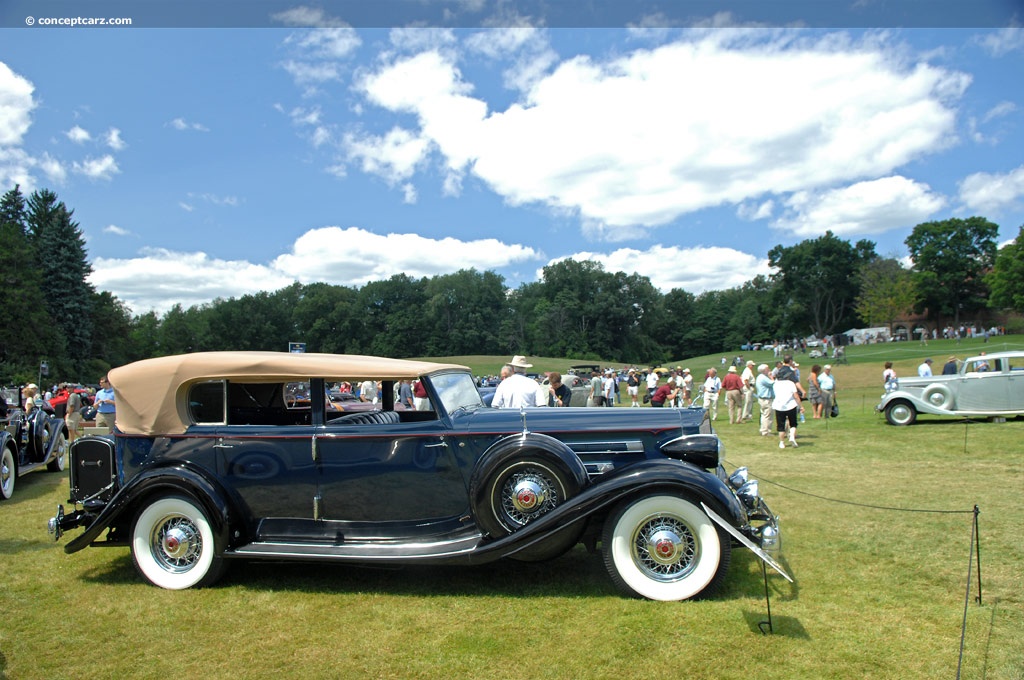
(879, 592)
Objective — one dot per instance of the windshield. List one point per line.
(456, 390)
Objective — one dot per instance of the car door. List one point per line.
(986, 391)
(400, 477)
(263, 445)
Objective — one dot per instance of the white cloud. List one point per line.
(158, 279)
(355, 256)
(115, 230)
(869, 207)
(78, 135)
(393, 156)
(182, 124)
(694, 270)
(987, 192)
(309, 17)
(16, 105)
(828, 112)
(114, 141)
(97, 168)
(1003, 41)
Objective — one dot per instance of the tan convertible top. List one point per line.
(147, 392)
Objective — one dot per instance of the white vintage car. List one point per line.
(987, 385)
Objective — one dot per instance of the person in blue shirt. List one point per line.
(104, 403)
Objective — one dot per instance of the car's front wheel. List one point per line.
(8, 474)
(900, 413)
(60, 454)
(174, 546)
(664, 548)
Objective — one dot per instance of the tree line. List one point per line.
(576, 309)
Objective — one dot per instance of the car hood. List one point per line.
(581, 419)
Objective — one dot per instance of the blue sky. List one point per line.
(206, 162)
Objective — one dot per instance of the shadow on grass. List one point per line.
(784, 626)
(35, 485)
(577, 574)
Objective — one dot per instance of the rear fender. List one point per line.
(177, 479)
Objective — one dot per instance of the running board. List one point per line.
(358, 552)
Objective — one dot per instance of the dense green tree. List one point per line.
(464, 312)
(64, 265)
(144, 337)
(393, 318)
(324, 318)
(112, 335)
(816, 283)
(27, 335)
(950, 258)
(887, 292)
(1006, 280)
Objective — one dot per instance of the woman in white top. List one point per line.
(786, 404)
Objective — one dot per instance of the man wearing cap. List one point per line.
(827, 387)
(712, 389)
(687, 398)
(950, 367)
(765, 395)
(925, 369)
(633, 387)
(748, 391)
(516, 390)
(732, 383)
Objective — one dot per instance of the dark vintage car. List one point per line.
(36, 440)
(213, 459)
(987, 385)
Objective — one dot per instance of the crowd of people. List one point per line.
(78, 405)
(776, 391)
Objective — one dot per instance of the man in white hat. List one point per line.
(748, 391)
(517, 390)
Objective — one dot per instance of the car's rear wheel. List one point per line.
(174, 546)
(900, 413)
(61, 454)
(8, 474)
(664, 547)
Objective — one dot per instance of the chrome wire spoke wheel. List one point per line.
(176, 544)
(528, 494)
(664, 548)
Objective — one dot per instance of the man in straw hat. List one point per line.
(516, 390)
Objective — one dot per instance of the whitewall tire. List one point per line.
(174, 546)
(665, 548)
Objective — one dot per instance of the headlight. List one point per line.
(748, 493)
(738, 478)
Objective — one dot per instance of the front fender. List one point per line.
(634, 480)
(179, 478)
(919, 404)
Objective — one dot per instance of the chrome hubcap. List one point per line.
(664, 548)
(526, 495)
(176, 544)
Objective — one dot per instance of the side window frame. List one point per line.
(207, 391)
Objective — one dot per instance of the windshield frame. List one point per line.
(456, 390)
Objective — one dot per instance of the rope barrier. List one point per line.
(975, 545)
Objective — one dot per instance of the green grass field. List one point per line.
(879, 590)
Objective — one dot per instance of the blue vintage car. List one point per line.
(239, 455)
(36, 440)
